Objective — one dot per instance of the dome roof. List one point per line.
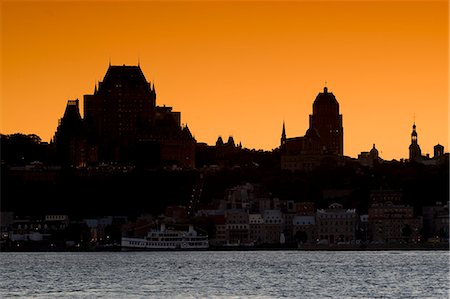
(374, 151)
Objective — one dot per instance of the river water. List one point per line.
(216, 274)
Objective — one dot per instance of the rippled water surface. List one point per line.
(255, 274)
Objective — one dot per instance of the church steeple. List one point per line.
(415, 153)
(414, 135)
(283, 138)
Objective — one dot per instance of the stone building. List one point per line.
(237, 226)
(336, 224)
(256, 228)
(273, 226)
(390, 221)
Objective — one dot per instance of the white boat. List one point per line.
(167, 239)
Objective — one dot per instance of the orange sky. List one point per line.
(238, 68)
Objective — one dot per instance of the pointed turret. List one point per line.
(231, 141)
(219, 141)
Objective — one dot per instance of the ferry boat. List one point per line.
(167, 239)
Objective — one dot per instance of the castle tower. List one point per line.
(415, 153)
(121, 111)
(328, 122)
(69, 136)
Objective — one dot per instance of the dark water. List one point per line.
(250, 274)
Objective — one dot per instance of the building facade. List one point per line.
(336, 224)
(390, 221)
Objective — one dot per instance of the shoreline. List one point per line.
(304, 247)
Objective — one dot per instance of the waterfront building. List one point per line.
(323, 142)
(273, 226)
(288, 227)
(237, 226)
(436, 221)
(362, 232)
(336, 224)
(256, 222)
(221, 230)
(390, 221)
(304, 228)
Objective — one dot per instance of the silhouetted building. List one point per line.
(438, 151)
(70, 137)
(369, 158)
(122, 124)
(121, 110)
(328, 122)
(436, 221)
(415, 154)
(323, 141)
(221, 154)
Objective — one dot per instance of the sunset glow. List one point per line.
(239, 68)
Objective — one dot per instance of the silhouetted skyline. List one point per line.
(239, 68)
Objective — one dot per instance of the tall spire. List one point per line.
(283, 138)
